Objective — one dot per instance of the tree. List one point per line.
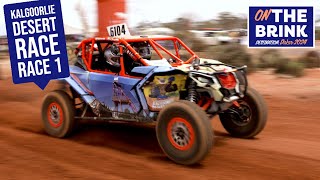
(227, 20)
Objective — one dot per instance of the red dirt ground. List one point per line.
(289, 147)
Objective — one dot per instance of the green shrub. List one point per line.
(271, 58)
(72, 58)
(311, 59)
(317, 34)
(192, 42)
(281, 63)
(291, 67)
(185, 36)
(233, 54)
(198, 45)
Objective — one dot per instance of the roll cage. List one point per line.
(87, 48)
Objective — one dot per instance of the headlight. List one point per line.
(203, 80)
(227, 80)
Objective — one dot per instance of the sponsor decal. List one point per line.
(163, 90)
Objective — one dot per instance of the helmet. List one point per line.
(143, 48)
(112, 58)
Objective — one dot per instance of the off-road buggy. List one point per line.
(156, 79)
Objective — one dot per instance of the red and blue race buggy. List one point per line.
(156, 79)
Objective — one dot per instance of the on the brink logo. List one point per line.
(281, 27)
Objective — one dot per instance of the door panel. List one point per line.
(115, 92)
(127, 93)
(102, 87)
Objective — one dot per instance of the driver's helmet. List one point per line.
(143, 48)
(112, 56)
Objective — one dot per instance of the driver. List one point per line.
(143, 48)
(130, 61)
(112, 56)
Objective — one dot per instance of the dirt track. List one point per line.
(289, 147)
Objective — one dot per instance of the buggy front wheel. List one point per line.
(184, 132)
(247, 120)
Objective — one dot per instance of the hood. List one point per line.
(163, 66)
(217, 67)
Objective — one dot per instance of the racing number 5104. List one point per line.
(117, 30)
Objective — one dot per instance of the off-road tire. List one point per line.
(60, 104)
(195, 121)
(259, 112)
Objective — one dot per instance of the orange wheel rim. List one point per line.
(180, 133)
(55, 115)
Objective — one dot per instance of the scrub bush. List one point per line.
(233, 54)
(292, 68)
(271, 58)
(310, 59)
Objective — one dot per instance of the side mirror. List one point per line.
(196, 63)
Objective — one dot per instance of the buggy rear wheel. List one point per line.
(184, 132)
(58, 114)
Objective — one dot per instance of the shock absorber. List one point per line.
(192, 93)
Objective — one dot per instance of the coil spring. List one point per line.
(192, 93)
